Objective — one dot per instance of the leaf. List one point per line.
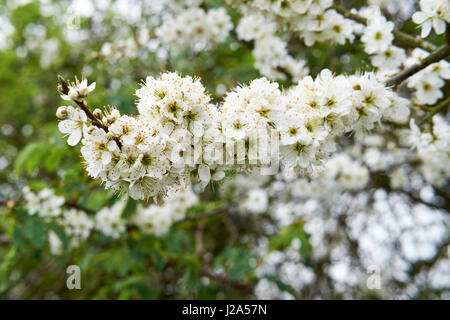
(35, 231)
(236, 262)
(130, 208)
(283, 239)
(59, 231)
(283, 286)
(18, 238)
(30, 157)
(54, 157)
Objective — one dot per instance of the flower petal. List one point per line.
(106, 157)
(74, 137)
(439, 26)
(66, 126)
(204, 173)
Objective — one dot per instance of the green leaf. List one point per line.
(18, 238)
(30, 158)
(283, 286)
(236, 262)
(283, 239)
(35, 231)
(130, 208)
(54, 158)
(59, 231)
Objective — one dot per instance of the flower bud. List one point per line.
(91, 129)
(114, 115)
(73, 93)
(61, 112)
(98, 113)
(83, 91)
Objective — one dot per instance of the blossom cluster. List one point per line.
(269, 50)
(433, 149)
(374, 222)
(179, 133)
(428, 82)
(314, 20)
(79, 225)
(157, 220)
(195, 29)
(45, 203)
(341, 173)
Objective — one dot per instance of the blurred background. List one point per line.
(372, 227)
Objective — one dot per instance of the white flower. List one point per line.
(390, 60)
(109, 222)
(195, 29)
(79, 90)
(77, 224)
(378, 36)
(74, 126)
(45, 202)
(257, 201)
(434, 14)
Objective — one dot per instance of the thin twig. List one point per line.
(436, 56)
(441, 106)
(242, 287)
(64, 89)
(75, 205)
(214, 212)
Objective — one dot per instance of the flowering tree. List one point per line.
(274, 150)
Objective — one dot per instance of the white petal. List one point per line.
(74, 137)
(66, 126)
(91, 87)
(219, 175)
(114, 174)
(426, 28)
(136, 191)
(82, 115)
(204, 173)
(112, 145)
(128, 140)
(419, 17)
(439, 26)
(106, 157)
(95, 169)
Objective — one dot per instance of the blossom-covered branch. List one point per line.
(64, 88)
(436, 56)
(400, 38)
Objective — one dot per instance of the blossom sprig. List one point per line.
(179, 134)
(77, 118)
(78, 90)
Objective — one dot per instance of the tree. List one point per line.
(275, 149)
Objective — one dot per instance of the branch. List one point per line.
(214, 212)
(4, 239)
(64, 89)
(242, 287)
(442, 105)
(401, 39)
(75, 205)
(441, 53)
